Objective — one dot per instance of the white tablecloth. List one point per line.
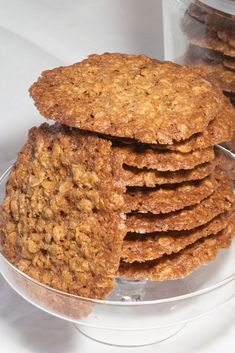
(36, 35)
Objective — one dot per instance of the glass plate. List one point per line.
(137, 313)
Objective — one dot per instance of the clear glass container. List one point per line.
(202, 33)
(137, 313)
(205, 17)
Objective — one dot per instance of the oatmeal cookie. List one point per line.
(181, 264)
(62, 217)
(214, 56)
(217, 73)
(128, 96)
(188, 218)
(141, 247)
(169, 198)
(205, 37)
(219, 130)
(132, 176)
(163, 160)
(219, 22)
(214, 72)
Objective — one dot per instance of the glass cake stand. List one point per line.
(137, 313)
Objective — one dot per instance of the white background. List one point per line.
(40, 34)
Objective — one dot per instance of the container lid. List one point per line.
(227, 6)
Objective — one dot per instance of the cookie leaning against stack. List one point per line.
(131, 187)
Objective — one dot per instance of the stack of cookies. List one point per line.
(212, 44)
(127, 182)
